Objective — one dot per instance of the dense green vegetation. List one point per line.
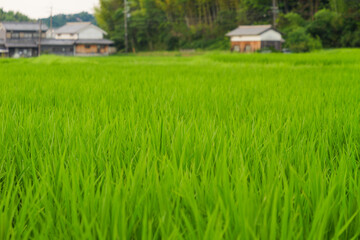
(58, 20)
(202, 147)
(176, 24)
(12, 16)
(61, 19)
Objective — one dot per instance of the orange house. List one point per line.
(92, 47)
(254, 38)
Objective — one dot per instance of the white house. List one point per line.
(88, 38)
(79, 30)
(250, 38)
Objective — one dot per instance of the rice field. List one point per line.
(215, 146)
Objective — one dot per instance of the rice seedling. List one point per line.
(217, 146)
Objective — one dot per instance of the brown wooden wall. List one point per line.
(244, 46)
(91, 49)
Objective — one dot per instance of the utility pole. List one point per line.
(126, 26)
(39, 46)
(275, 11)
(51, 22)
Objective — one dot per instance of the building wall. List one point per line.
(24, 35)
(90, 33)
(92, 49)
(58, 50)
(66, 36)
(2, 33)
(277, 45)
(245, 38)
(271, 35)
(246, 46)
(23, 52)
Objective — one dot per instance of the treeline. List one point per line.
(174, 24)
(58, 20)
(61, 19)
(12, 16)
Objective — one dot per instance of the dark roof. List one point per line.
(33, 43)
(95, 41)
(57, 42)
(23, 26)
(249, 30)
(28, 43)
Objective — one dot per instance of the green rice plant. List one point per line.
(215, 146)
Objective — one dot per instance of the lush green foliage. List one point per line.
(58, 20)
(61, 19)
(203, 147)
(12, 16)
(174, 24)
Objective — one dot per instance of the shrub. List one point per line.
(290, 21)
(327, 25)
(299, 40)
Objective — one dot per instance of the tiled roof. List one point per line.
(57, 42)
(23, 26)
(250, 30)
(95, 41)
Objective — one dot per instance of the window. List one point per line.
(87, 46)
(27, 35)
(15, 35)
(248, 48)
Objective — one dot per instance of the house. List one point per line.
(252, 38)
(79, 30)
(3, 50)
(20, 39)
(24, 39)
(89, 39)
(58, 47)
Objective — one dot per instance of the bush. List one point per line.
(290, 21)
(327, 25)
(299, 40)
(356, 39)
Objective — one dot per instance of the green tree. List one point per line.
(13, 16)
(299, 40)
(327, 25)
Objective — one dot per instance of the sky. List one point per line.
(41, 8)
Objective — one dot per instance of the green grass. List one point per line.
(216, 146)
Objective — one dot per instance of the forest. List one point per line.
(202, 24)
(61, 19)
(58, 19)
(12, 16)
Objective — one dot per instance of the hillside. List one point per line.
(12, 16)
(61, 19)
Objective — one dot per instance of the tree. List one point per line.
(172, 24)
(13, 16)
(327, 25)
(61, 19)
(299, 40)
